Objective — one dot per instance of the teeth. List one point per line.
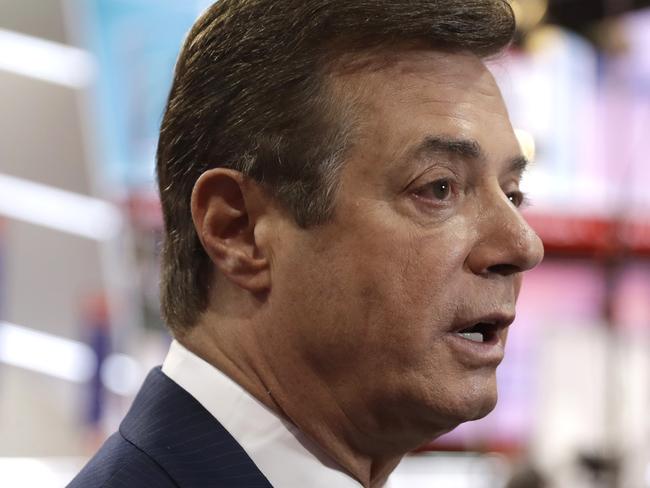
(472, 336)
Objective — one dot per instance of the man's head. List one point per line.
(340, 183)
(253, 92)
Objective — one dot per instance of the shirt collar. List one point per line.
(282, 453)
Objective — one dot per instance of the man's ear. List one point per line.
(225, 210)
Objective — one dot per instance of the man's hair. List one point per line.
(250, 94)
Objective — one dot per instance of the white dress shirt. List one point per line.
(281, 452)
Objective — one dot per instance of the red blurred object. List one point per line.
(592, 236)
(144, 210)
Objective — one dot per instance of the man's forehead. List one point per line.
(420, 103)
(390, 78)
(408, 60)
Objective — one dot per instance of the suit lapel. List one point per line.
(174, 429)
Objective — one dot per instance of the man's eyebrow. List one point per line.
(465, 148)
(519, 164)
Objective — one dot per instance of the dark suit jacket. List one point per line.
(169, 440)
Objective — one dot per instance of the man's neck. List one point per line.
(307, 403)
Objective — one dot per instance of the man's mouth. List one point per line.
(480, 341)
(481, 332)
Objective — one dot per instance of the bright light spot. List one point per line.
(46, 353)
(449, 471)
(527, 144)
(58, 209)
(121, 374)
(38, 473)
(529, 13)
(45, 60)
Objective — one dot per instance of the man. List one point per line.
(343, 249)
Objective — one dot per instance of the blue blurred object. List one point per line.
(136, 43)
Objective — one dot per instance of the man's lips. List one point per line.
(495, 321)
(480, 341)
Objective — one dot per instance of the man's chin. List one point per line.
(434, 409)
(477, 406)
(473, 403)
(485, 409)
(447, 420)
(468, 413)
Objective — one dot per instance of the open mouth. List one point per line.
(482, 332)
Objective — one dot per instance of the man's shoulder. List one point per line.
(120, 464)
(169, 439)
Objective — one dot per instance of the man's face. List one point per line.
(426, 241)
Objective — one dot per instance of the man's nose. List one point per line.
(506, 244)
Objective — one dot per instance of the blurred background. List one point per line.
(82, 89)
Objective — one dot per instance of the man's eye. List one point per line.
(517, 198)
(438, 190)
